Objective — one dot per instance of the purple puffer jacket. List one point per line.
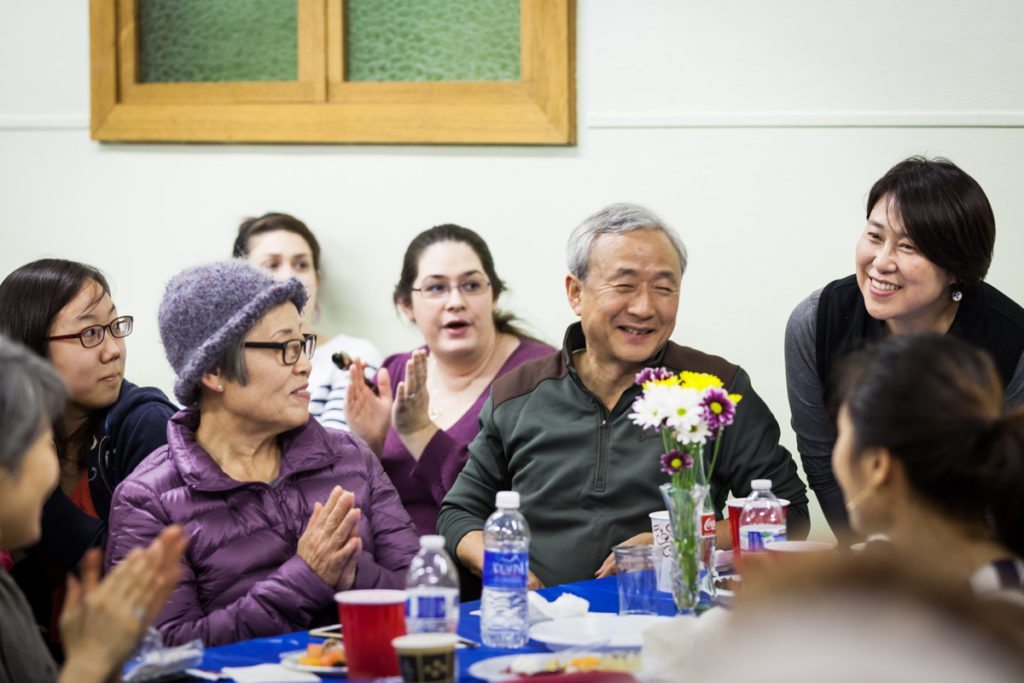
(242, 578)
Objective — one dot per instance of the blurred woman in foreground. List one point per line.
(927, 456)
(101, 621)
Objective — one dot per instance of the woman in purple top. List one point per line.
(421, 428)
(281, 512)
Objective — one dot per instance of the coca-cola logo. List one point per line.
(707, 524)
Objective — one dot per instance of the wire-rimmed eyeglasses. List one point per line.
(440, 289)
(290, 350)
(94, 334)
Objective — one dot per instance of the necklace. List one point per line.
(436, 411)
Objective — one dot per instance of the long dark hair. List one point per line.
(936, 404)
(450, 232)
(30, 299)
(946, 214)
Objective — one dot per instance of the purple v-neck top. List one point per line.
(423, 484)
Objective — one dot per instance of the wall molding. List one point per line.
(805, 119)
(680, 119)
(28, 122)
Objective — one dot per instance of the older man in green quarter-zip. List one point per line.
(557, 429)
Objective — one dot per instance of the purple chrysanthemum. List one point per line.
(675, 461)
(717, 408)
(652, 375)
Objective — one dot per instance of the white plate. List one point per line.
(496, 669)
(598, 631)
(290, 660)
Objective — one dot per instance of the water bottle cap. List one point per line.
(507, 499)
(432, 542)
(761, 484)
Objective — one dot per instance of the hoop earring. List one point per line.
(957, 295)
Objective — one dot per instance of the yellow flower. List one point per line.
(698, 380)
(669, 382)
(735, 398)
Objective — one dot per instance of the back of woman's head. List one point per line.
(450, 232)
(31, 397)
(33, 295)
(272, 222)
(936, 404)
(945, 213)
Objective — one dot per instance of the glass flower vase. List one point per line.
(685, 506)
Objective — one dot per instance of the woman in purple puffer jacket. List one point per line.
(282, 513)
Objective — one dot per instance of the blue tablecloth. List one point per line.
(601, 593)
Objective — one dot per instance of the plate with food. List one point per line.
(509, 667)
(595, 631)
(326, 659)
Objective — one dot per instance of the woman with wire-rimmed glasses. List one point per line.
(282, 511)
(426, 411)
(62, 310)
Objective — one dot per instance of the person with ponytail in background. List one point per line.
(927, 457)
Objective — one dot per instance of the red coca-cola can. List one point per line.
(707, 524)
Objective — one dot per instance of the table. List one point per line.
(601, 593)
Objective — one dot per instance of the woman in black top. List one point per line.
(920, 264)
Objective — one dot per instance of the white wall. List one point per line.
(755, 128)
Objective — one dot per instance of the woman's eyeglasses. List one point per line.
(440, 289)
(290, 350)
(94, 334)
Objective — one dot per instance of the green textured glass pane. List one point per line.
(190, 41)
(432, 40)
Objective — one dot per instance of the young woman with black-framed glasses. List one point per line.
(62, 310)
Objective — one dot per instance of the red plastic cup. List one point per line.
(370, 620)
(735, 507)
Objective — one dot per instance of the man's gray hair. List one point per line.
(616, 219)
(32, 396)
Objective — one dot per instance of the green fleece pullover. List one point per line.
(588, 478)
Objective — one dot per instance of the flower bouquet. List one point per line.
(690, 410)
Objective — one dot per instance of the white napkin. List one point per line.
(268, 673)
(564, 606)
(672, 646)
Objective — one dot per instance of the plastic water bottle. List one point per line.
(761, 522)
(432, 587)
(504, 616)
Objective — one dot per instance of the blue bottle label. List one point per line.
(427, 607)
(505, 570)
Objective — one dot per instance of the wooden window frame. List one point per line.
(320, 106)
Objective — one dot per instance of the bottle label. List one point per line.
(754, 539)
(707, 524)
(427, 607)
(432, 603)
(505, 570)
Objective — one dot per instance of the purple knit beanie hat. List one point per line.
(208, 308)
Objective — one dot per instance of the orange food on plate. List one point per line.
(331, 653)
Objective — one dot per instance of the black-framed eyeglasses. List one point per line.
(94, 334)
(440, 289)
(290, 350)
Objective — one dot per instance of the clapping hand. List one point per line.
(368, 414)
(103, 621)
(331, 544)
(410, 412)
